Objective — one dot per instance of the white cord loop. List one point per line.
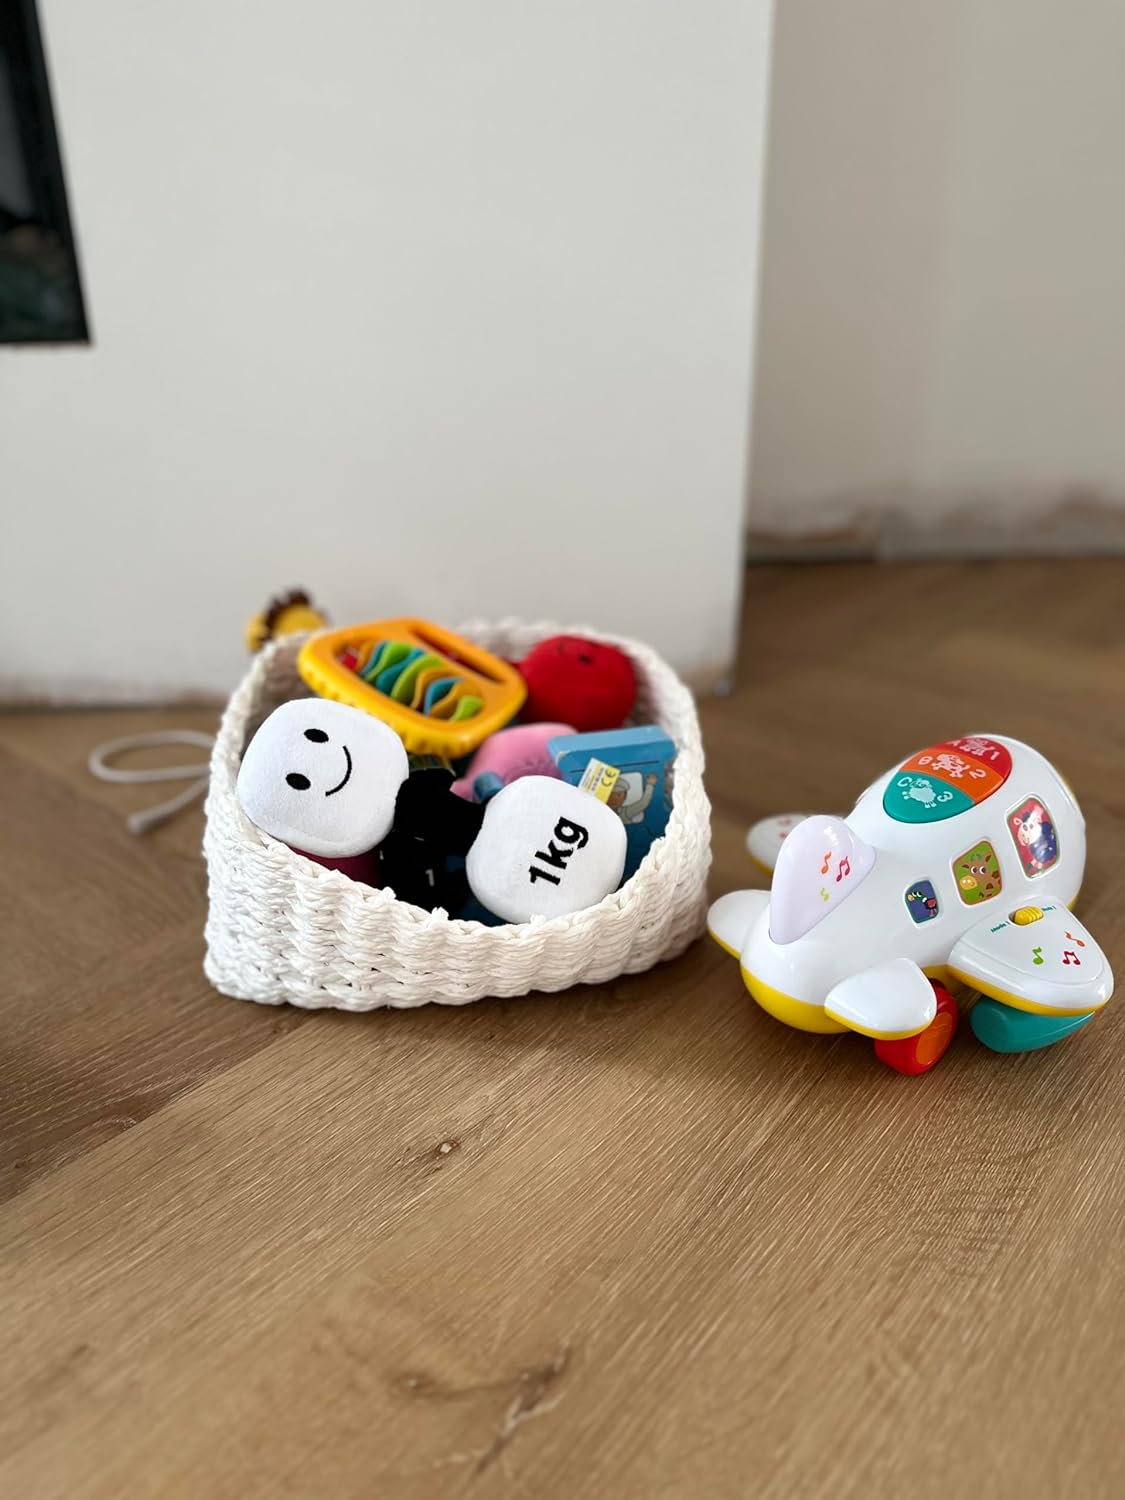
(152, 817)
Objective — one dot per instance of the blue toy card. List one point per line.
(630, 769)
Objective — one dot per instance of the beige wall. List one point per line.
(439, 308)
(943, 307)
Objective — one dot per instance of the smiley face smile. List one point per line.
(347, 775)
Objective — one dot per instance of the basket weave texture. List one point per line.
(283, 929)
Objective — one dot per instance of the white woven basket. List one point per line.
(281, 928)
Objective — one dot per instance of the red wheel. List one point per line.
(918, 1054)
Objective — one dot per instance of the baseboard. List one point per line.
(23, 695)
(905, 526)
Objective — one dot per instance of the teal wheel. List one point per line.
(1007, 1030)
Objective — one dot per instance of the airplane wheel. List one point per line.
(918, 1054)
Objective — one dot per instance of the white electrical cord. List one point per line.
(141, 822)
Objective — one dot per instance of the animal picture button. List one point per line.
(1036, 842)
(546, 848)
(984, 752)
(977, 873)
(912, 798)
(922, 901)
(979, 777)
(972, 768)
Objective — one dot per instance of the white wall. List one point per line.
(943, 313)
(435, 307)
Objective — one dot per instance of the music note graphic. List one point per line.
(845, 868)
(1072, 939)
(1037, 955)
(823, 894)
(827, 862)
(1070, 957)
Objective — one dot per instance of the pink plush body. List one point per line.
(512, 753)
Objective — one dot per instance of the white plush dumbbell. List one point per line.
(546, 848)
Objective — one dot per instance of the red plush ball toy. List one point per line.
(579, 682)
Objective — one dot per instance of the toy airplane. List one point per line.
(958, 865)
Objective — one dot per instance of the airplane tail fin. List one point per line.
(820, 864)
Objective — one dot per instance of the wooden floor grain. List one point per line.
(632, 1241)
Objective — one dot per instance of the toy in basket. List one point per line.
(443, 695)
(334, 784)
(282, 928)
(961, 863)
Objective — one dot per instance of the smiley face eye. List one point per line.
(317, 736)
(298, 782)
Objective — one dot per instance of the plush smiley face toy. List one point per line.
(323, 778)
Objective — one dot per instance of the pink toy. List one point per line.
(510, 754)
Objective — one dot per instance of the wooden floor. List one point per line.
(635, 1241)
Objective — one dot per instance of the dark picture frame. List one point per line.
(41, 296)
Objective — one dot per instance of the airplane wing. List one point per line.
(1038, 958)
(886, 1002)
(731, 917)
(764, 841)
